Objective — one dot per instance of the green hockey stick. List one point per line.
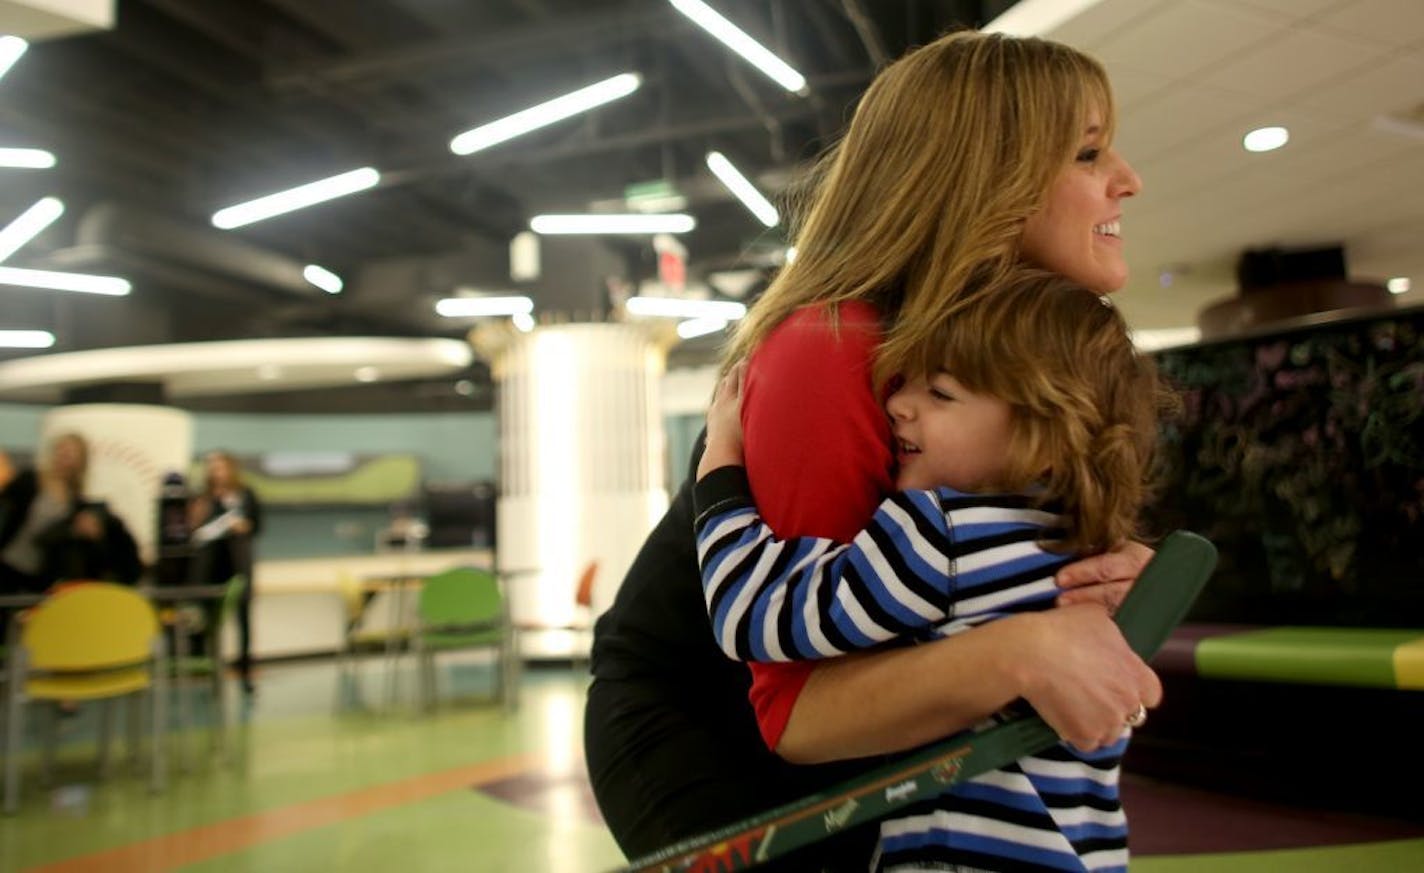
(1156, 604)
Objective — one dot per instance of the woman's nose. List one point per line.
(1126, 182)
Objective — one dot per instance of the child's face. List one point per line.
(948, 435)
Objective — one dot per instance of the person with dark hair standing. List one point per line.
(225, 518)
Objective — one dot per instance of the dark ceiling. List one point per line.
(187, 106)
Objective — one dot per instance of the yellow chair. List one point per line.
(385, 628)
(92, 641)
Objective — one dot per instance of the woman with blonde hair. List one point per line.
(50, 532)
(225, 518)
(965, 159)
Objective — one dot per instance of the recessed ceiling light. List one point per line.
(367, 374)
(1398, 285)
(1265, 139)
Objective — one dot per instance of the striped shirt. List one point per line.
(929, 564)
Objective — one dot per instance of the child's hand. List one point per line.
(724, 423)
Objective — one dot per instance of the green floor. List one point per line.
(307, 787)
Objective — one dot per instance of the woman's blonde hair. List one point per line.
(232, 463)
(1084, 403)
(920, 207)
(81, 445)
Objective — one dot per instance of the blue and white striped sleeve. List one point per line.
(806, 597)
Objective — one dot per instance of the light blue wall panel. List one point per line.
(452, 446)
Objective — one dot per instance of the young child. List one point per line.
(1007, 473)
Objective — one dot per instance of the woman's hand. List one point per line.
(88, 526)
(1103, 579)
(724, 423)
(1080, 675)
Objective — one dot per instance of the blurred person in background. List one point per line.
(224, 519)
(50, 531)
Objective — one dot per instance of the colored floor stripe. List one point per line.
(191, 846)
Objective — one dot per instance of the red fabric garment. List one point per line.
(818, 453)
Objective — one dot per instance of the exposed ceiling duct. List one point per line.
(170, 252)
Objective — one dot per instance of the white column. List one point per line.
(581, 469)
(131, 448)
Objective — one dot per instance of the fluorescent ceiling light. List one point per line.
(26, 339)
(700, 327)
(679, 307)
(742, 187)
(1037, 17)
(546, 113)
(1398, 285)
(296, 198)
(322, 278)
(29, 225)
(477, 307)
(566, 224)
(11, 47)
(26, 159)
(367, 374)
(84, 283)
(1265, 139)
(524, 321)
(736, 39)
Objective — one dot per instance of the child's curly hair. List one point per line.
(1085, 403)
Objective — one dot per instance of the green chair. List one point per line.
(209, 664)
(464, 608)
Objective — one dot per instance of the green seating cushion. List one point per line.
(1363, 657)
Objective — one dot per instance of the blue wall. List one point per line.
(453, 447)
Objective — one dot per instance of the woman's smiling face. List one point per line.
(1078, 231)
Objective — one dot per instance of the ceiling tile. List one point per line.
(1387, 22)
(1395, 84)
(1181, 38)
(1292, 64)
(1176, 116)
(1293, 9)
(1131, 87)
(1090, 27)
